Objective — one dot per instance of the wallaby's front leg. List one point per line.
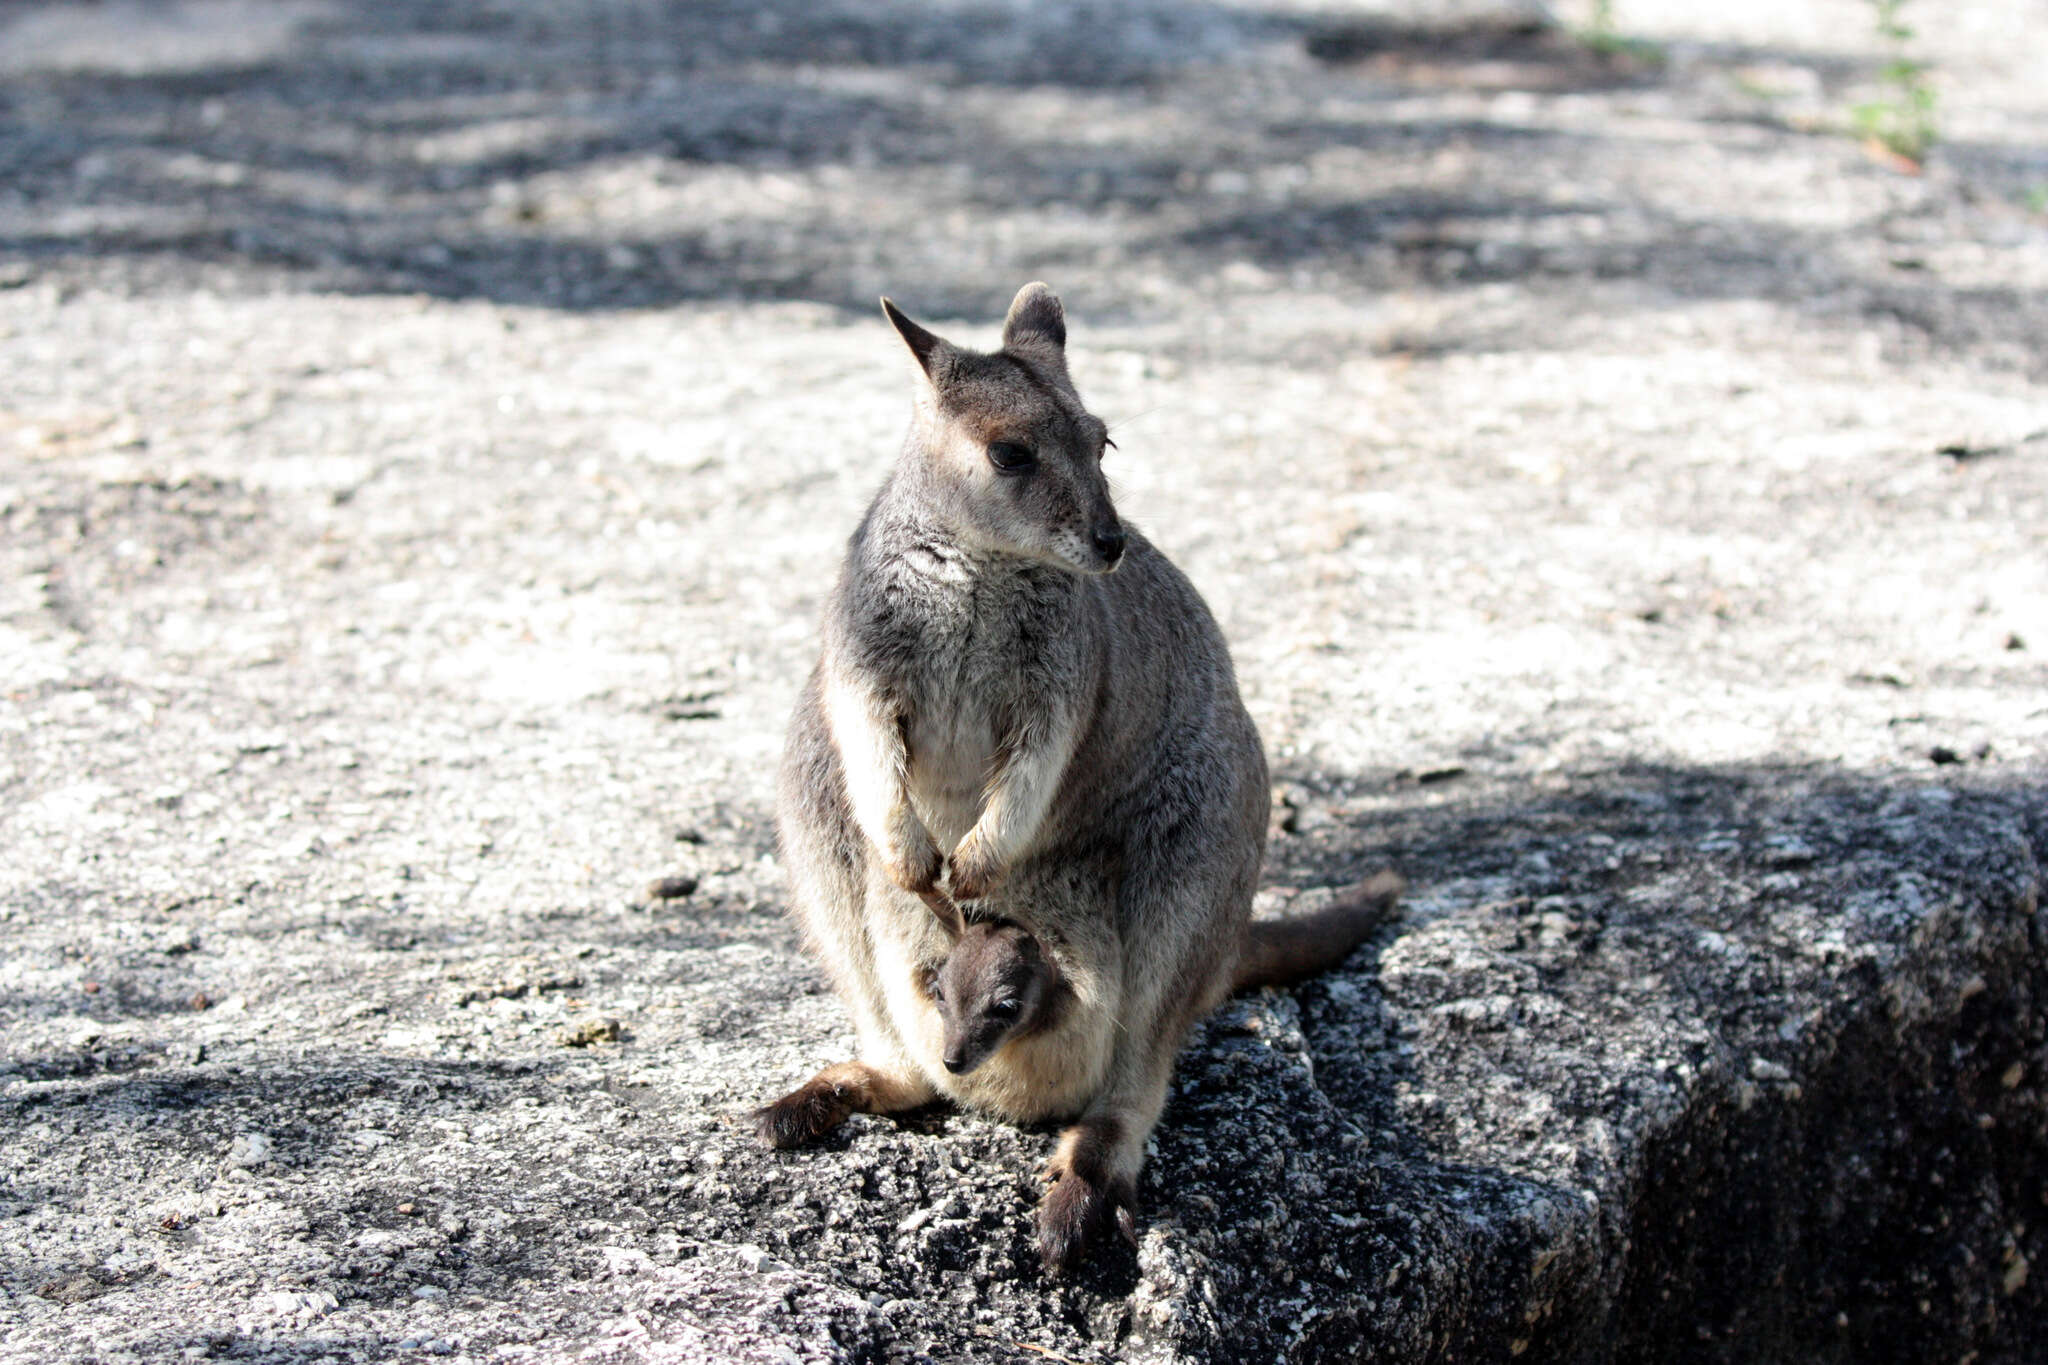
(1020, 793)
(875, 760)
(822, 1103)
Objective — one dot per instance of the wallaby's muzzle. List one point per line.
(1109, 542)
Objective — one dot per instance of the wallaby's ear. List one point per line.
(1036, 316)
(924, 346)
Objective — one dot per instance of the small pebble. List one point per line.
(754, 1259)
(72, 1289)
(250, 1150)
(671, 888)
(588, 1031)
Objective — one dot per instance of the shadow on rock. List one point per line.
(1659, 1065)
(645, 155)
(1672, 1065)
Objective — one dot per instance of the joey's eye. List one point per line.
(1011, 458)
(1003, 1009)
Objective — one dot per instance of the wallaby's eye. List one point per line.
(1108, 444)
(1011, 458)
(1003, 1009)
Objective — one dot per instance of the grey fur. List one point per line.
(1063, 743)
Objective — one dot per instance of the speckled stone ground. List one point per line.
(427, 431)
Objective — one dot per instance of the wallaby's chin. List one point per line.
(962, 1058)
(1092, 568)
(1064, 557)
(1075, 555)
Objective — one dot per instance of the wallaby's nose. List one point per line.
(1109, 542)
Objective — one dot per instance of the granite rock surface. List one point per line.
(428, 431)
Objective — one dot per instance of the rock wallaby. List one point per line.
(1024, 711)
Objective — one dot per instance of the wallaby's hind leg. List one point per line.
(1094, 1170)
(1178, 923)
(822, 1103)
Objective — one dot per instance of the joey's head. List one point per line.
(1003, 448)
(996, 984)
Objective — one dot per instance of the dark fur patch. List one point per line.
(1067, 1217)
(1052, 392)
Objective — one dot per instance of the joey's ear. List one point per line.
(1036, 316)
(925, 347)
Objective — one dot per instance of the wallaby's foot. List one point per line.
(803, 1115)
(823, 1102)
(1381, 889)
(1086, 1197)
(1073, 1215)
(973, 870)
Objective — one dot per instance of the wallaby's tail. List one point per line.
(1278, 952)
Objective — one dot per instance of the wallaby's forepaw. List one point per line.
(1382, 888)
(913, 861)
(973, 870)
(803, 1115)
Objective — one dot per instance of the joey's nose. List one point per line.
(955, 1063)
(1109, 543)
